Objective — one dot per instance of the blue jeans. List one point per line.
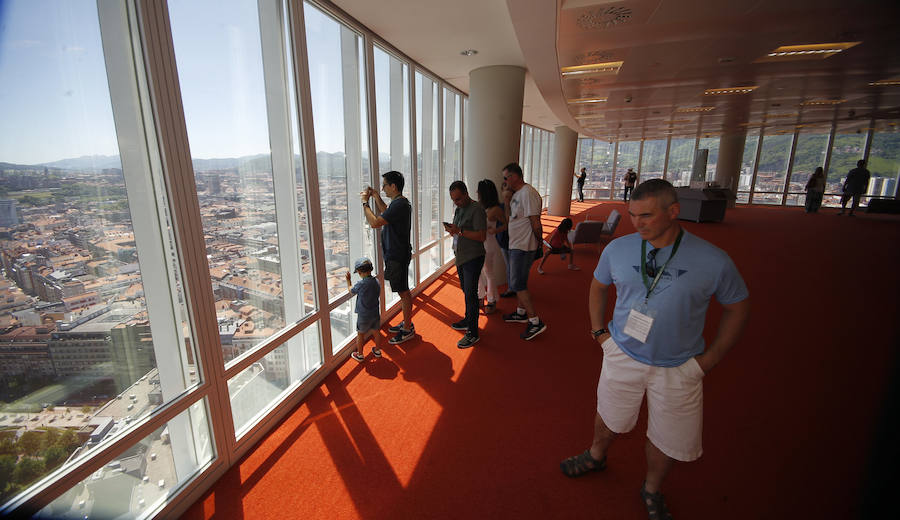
(468, 281)
(519, 266)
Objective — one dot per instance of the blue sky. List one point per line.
(54, 97)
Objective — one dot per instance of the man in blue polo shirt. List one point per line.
(664, 278)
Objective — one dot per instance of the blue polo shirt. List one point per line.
(698, 272)
(367, 291)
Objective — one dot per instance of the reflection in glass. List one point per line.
(770, 174)
(884, 160)
(809, 155)
(343, 325)
(95, 333)
(255, 389)
(140, 479)
(653, 159)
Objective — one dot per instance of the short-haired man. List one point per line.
(664, 278)
(469, 231)
(395, 220)
(525, 235)
(581, 178)
(854, 186)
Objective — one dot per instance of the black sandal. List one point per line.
(580, 464)
(656, 505)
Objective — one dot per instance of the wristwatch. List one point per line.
(599, 332)
(366, 205)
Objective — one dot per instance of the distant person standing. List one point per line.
(581, 178)
(525, 235)
(630, 178)
(815, 190)
(469, 231)
(395, 220)
(855, 186)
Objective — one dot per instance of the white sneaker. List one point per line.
(541, 271)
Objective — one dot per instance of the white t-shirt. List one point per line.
(526, 202)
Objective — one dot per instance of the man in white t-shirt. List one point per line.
(525, 234)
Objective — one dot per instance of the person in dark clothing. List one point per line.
(630, 180)
(581, 178)
(395, 220)
(854, 186)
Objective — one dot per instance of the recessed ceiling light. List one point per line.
(777, 116)
(609, 67)
(814, 51)
(890, 82)
(810, 102)
(730, 90)
(580, 101)
(694, 109)
(469, 52)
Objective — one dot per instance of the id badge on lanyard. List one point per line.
(641, 317)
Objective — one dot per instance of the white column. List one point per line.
(494, 122)
(731, 155)
(563, 166)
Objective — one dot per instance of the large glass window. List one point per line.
(95, 337)
(884, 160)
(711, 144)
(848, 147)
(653, 159)
(745, 181)
(628, 156)
(427, 139)
(770, 174)
(681, 160)
(812, 145)
(600, 173)
(339, 118)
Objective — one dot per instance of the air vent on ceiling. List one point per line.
(603, 17)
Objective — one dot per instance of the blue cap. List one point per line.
(362, 263)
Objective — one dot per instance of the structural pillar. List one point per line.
(493, 122)
(493, 127)
(731, 154)
(565, 140)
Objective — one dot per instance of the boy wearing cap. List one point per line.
(368, 313)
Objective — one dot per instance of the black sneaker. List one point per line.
(467, 341)
(533, 330)
(397, 328)
(460, 325)
(508, 294)
(403, 335)
(515, 317)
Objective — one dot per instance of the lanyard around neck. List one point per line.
(660, 270)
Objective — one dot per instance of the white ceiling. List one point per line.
(672, 50)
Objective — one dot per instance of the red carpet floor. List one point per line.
(430, 431)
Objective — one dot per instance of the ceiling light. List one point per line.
(580, 101)
(890, 82)
(730, 90)
(815, 51)
(777, 116)
(811, 102)
(609, 67)
(694, 109)
(469, 52)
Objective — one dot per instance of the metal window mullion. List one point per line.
(759, 142)
(311, 177)
(828, 146)
(413, 159)
(790, 167)
(666, 159)
(640, 157)
(612, 186)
